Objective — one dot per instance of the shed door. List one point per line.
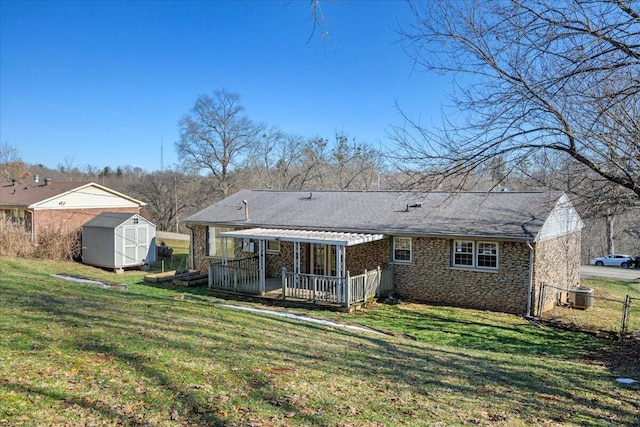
(136, 245)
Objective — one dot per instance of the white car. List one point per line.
(614, 260)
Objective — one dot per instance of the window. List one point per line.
(475, 254)
(463, 254)
(487, 255)
(273, 246)
(214, 242)
(402, 249)
(17, 216)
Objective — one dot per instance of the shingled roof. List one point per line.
(20, 195)
(506, 215)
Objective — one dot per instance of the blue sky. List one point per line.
(103, 83)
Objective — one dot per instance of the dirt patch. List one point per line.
(624, 359)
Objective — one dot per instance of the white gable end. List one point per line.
(87, 197)
(562, 220)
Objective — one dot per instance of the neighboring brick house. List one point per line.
(490, 251)
(60, 206)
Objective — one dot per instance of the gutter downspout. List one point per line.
(530, 288)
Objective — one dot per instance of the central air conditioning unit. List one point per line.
(580, 297)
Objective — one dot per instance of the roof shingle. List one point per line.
(509, 215)
(20, 194)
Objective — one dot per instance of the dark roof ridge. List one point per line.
(289, 190)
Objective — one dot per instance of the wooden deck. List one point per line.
(242, 281)
(273, 296)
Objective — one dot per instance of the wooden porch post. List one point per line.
(365, 282)
(262, 265)
(347, 285)
(210, 276)
(296, 257)
(224, 251)
(284, 283)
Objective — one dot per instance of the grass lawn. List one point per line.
(180, 255)
(607, 310)
(77, 355)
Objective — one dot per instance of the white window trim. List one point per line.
(475, 258)
(393, 249)
(273, 251)
(473, 254)
(476, 245)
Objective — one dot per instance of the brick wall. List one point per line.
(67, 220)
(199, 249)
(430, 278)
(368, 256)
(557, 264)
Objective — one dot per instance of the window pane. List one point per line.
(463, 253)
(214, 242)
(487, 255)
(402, 249)
(273, 245)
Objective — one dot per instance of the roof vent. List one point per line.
(246, 209)
(47, 181)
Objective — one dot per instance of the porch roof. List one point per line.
(304, 236)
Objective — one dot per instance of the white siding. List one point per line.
(87, 197)
(562, 220)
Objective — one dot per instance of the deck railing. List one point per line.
(316, 288)
(241, 275)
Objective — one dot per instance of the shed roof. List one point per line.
(111, 219)
(506, 215)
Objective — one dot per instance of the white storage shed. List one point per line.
(118, 240)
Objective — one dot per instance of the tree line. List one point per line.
(546, 97)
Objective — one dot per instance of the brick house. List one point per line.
(60, 206)
(491, 251)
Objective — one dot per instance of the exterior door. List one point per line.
(323, 259)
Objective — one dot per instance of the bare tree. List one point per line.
(11, 164)
(353, 165)
(276, 163)
(169, 195)
(215, 136)
(8, 153)
(530, 76)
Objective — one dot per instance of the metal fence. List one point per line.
(605, 314)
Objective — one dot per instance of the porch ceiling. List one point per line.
(304, 236)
